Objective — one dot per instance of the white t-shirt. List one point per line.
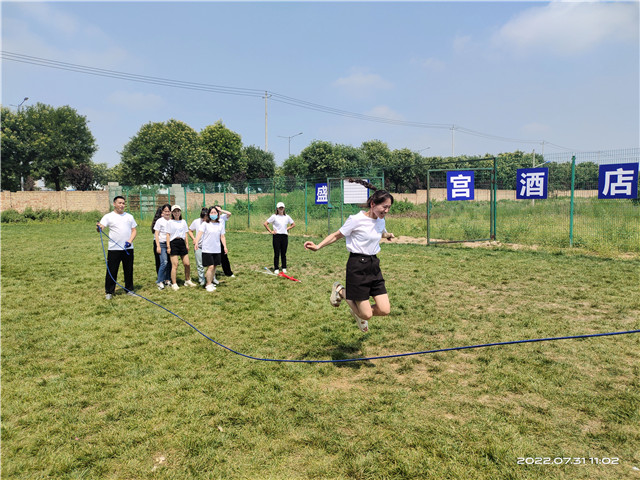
(161, 228)
(280, 223)
(363, 234)
(211, 233)
(177, 229)
(223, 219)
(120, 227)
(194, 228)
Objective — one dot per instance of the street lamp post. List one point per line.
(290, 140)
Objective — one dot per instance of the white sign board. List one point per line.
(355, 193)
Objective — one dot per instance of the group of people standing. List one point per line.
(171, 244)
(363, 233)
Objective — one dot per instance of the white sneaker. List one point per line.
(215, 280)
(276, 271)
(189, 283)
(167, 282)
(233, 276)
(107, 296)
(363, 325)
(160, 286)
(210, 288)
(175, 286)
(335, 297)
(284, 270)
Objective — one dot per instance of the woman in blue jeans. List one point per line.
(162, 249)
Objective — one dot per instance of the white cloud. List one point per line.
(136, 100)
(461, 43)
(385, 112)
(568, 28)
(362, 83)
(431, 63)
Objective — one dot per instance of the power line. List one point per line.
(252, 92)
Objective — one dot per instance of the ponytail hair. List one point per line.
(377, 197)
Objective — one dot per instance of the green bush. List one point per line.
(48, 215)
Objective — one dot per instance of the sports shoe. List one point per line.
(167, 282)
(210, 288)
(284, 270)
(160, 285)
(276, 271)
(107, 296)
(233, 276)
(131, 293)
(363, 325)
(175, 286)
(216, 281)
(335, 297)
(189, 283)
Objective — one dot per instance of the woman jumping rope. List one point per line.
(362, 232)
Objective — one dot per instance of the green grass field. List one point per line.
(121, 389)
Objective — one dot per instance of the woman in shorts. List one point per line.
(362, 232)
(211, 232)
(178, 247)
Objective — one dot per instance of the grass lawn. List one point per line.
(121, 389)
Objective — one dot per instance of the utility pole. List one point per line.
(453, 130)
(266, 141)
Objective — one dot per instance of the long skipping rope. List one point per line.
(362, 359)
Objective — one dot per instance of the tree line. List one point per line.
(41, 141)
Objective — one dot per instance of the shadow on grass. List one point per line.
(341, 351)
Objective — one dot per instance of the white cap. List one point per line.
(280, 204)
(175, 207)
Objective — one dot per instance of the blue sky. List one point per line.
(507, 75)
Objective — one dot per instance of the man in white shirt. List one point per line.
(122, 231)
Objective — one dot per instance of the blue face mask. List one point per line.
(213, 217)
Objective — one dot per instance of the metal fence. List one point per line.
(572, 214)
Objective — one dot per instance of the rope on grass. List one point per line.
(362, 359)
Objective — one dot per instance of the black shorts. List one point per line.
(209, 259)
(364, 277)
(178, 247)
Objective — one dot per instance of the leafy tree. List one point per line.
(60, 139)
(260, 164)
(353, 158)
(225, 157)
(375, 154)
(321, 159)
(401, 169)
(16, 149)
(162, 152)
(80, 177)
(295, 166)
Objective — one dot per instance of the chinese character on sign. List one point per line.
(618, 181)
(460, 185)
(532, 183)
(322, 192)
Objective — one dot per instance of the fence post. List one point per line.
(306, 219)
(428, 207)
(573, 182)
(248, 205)
(224, 194)
(204, 195)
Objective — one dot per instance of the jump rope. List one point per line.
(343, 360)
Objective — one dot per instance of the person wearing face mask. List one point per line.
(223, 216)
(162, 248)
(282, 223)
(212, 234)
(362, 232)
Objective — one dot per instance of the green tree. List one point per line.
(162, 152)
(295, 166)
(16, 147)
(375, 154)
(321, 159)
(61, 140)
(260, 164)
(225, 157)
(400, 171)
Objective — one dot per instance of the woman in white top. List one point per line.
(198, 251)
(282, 223)
(364, 278)
(211, 232)
(223, 216)
(178, 247)
(160, 234)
